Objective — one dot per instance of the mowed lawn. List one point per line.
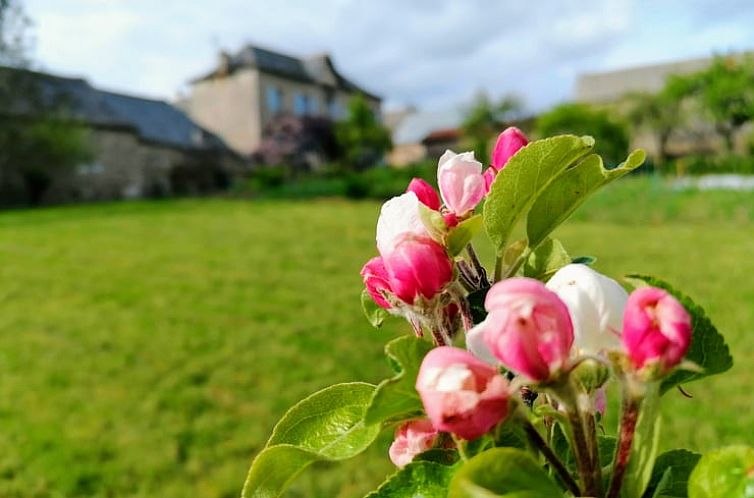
(146, 349)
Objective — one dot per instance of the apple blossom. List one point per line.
(460, 393)
(656, 328)
(508, 143)
(417, 267)
(489, 177)
(425, 193)
(412, 438)
(461, 183)
(595, 303)
(398, 216)
(528, 329)
(376, 280)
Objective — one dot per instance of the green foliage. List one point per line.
(361, 136)
(549, 257)
(505, 473)
(483, 120)
(708, 348)
(420, 479)
(725, 473)
(726, 91)
(396, 398)
(526, 176)
(609, 131)
(40, 150)
(326, 426)
(659, 113)
(460, 236)
(374, 313)
(561, 198)
(671, 474)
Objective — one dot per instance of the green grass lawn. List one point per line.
(146, 349)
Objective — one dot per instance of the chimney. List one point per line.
(223, 63)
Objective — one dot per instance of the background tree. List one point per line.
(609, 131)
(726, 92)
(660, 113)
(483, 121)
(39, 142)
(361, 137)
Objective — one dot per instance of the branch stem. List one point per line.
(560, 469)
(631, 408)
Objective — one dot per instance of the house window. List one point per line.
(274, 99)
(313, 106)
(335, 110)
(300, 104)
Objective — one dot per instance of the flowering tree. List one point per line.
(517, 412)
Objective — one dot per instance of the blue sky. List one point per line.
(431, 53)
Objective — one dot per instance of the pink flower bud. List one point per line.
(527, 328)
(425, 193)
(489, 177)
(418, 266)
(376, 280)
(508, 143)
(461, 394)
(412, 438)
(450, 219)
(461, 182)
(656, 328)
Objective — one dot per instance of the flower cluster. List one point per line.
(539, 335)
(414, 275)
(502, 387)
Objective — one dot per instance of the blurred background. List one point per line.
(189, 189)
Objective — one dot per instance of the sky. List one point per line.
(433, 54)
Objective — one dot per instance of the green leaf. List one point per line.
(671, 473)
(645, 446)
(708, 348)
(547, 258)
(584, 260)
(503, 472)
(725, 473)
(570, 190)
(525, 177)
(460, 236)
(396, 398)
(374, 312)
(417, 480)
(433, 222)
(326, 426)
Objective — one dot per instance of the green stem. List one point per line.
(558, 466)
(461, 446)
(580, 444)
(498, 268)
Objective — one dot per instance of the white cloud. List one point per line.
(427, 52)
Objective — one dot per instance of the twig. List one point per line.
(552, 458)
(631, 407)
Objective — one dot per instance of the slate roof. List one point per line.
(317, 69)
(153, 120)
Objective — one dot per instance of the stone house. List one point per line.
(139, 147)
(248, 89)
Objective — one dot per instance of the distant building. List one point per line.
(611, 86)
(141, 147)
(242, 95)
(419, 135)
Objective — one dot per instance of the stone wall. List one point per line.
(124, 167)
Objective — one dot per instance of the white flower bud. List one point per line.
(595, 303)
